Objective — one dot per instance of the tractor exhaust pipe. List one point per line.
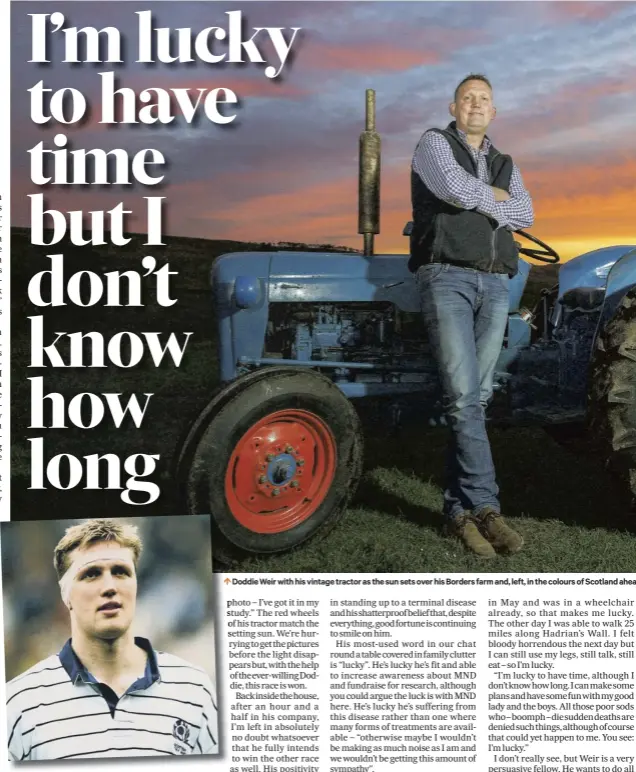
(369, 178)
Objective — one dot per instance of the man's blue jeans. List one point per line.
(466, 313)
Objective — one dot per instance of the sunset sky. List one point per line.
(564, 77)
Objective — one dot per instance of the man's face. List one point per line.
(103, 593)
(474, 110)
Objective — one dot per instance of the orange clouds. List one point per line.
(573, 9)
(582, 222)
(373, 57)
(415, 47)
(309, 214)
(581, 207)
(576, 209)
(242, 87)
(604, 178)
(322, 213)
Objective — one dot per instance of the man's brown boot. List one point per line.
(463, 527)
(494, 528)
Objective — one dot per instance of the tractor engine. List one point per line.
(552, 374)
(376, 333)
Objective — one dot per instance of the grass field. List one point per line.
(567, 507)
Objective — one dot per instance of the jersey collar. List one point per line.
(77, 672)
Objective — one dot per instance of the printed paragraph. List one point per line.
(396, 696)
(560, 672)
(584, 762)
(273, 665)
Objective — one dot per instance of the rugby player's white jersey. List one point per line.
(57, 710)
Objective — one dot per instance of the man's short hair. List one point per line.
(472, 76)
(91, 532)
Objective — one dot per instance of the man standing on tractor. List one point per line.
(467, 200)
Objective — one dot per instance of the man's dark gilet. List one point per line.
(443, 233)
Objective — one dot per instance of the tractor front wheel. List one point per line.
(612, 408)
(274, 463)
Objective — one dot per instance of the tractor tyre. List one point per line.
(274, 459)
(612, 405)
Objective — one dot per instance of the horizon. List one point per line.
(328, 247)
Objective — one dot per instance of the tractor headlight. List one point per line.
(247, 291)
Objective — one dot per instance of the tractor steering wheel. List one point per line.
(545, 255)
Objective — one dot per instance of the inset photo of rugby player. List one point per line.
(109, 638)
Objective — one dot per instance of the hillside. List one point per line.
(192, 256)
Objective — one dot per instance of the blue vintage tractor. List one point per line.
(303, 336)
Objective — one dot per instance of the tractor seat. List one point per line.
(586, 298)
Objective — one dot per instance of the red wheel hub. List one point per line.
(280, 471)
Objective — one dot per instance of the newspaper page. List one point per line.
(253, 319)
(5, 214)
